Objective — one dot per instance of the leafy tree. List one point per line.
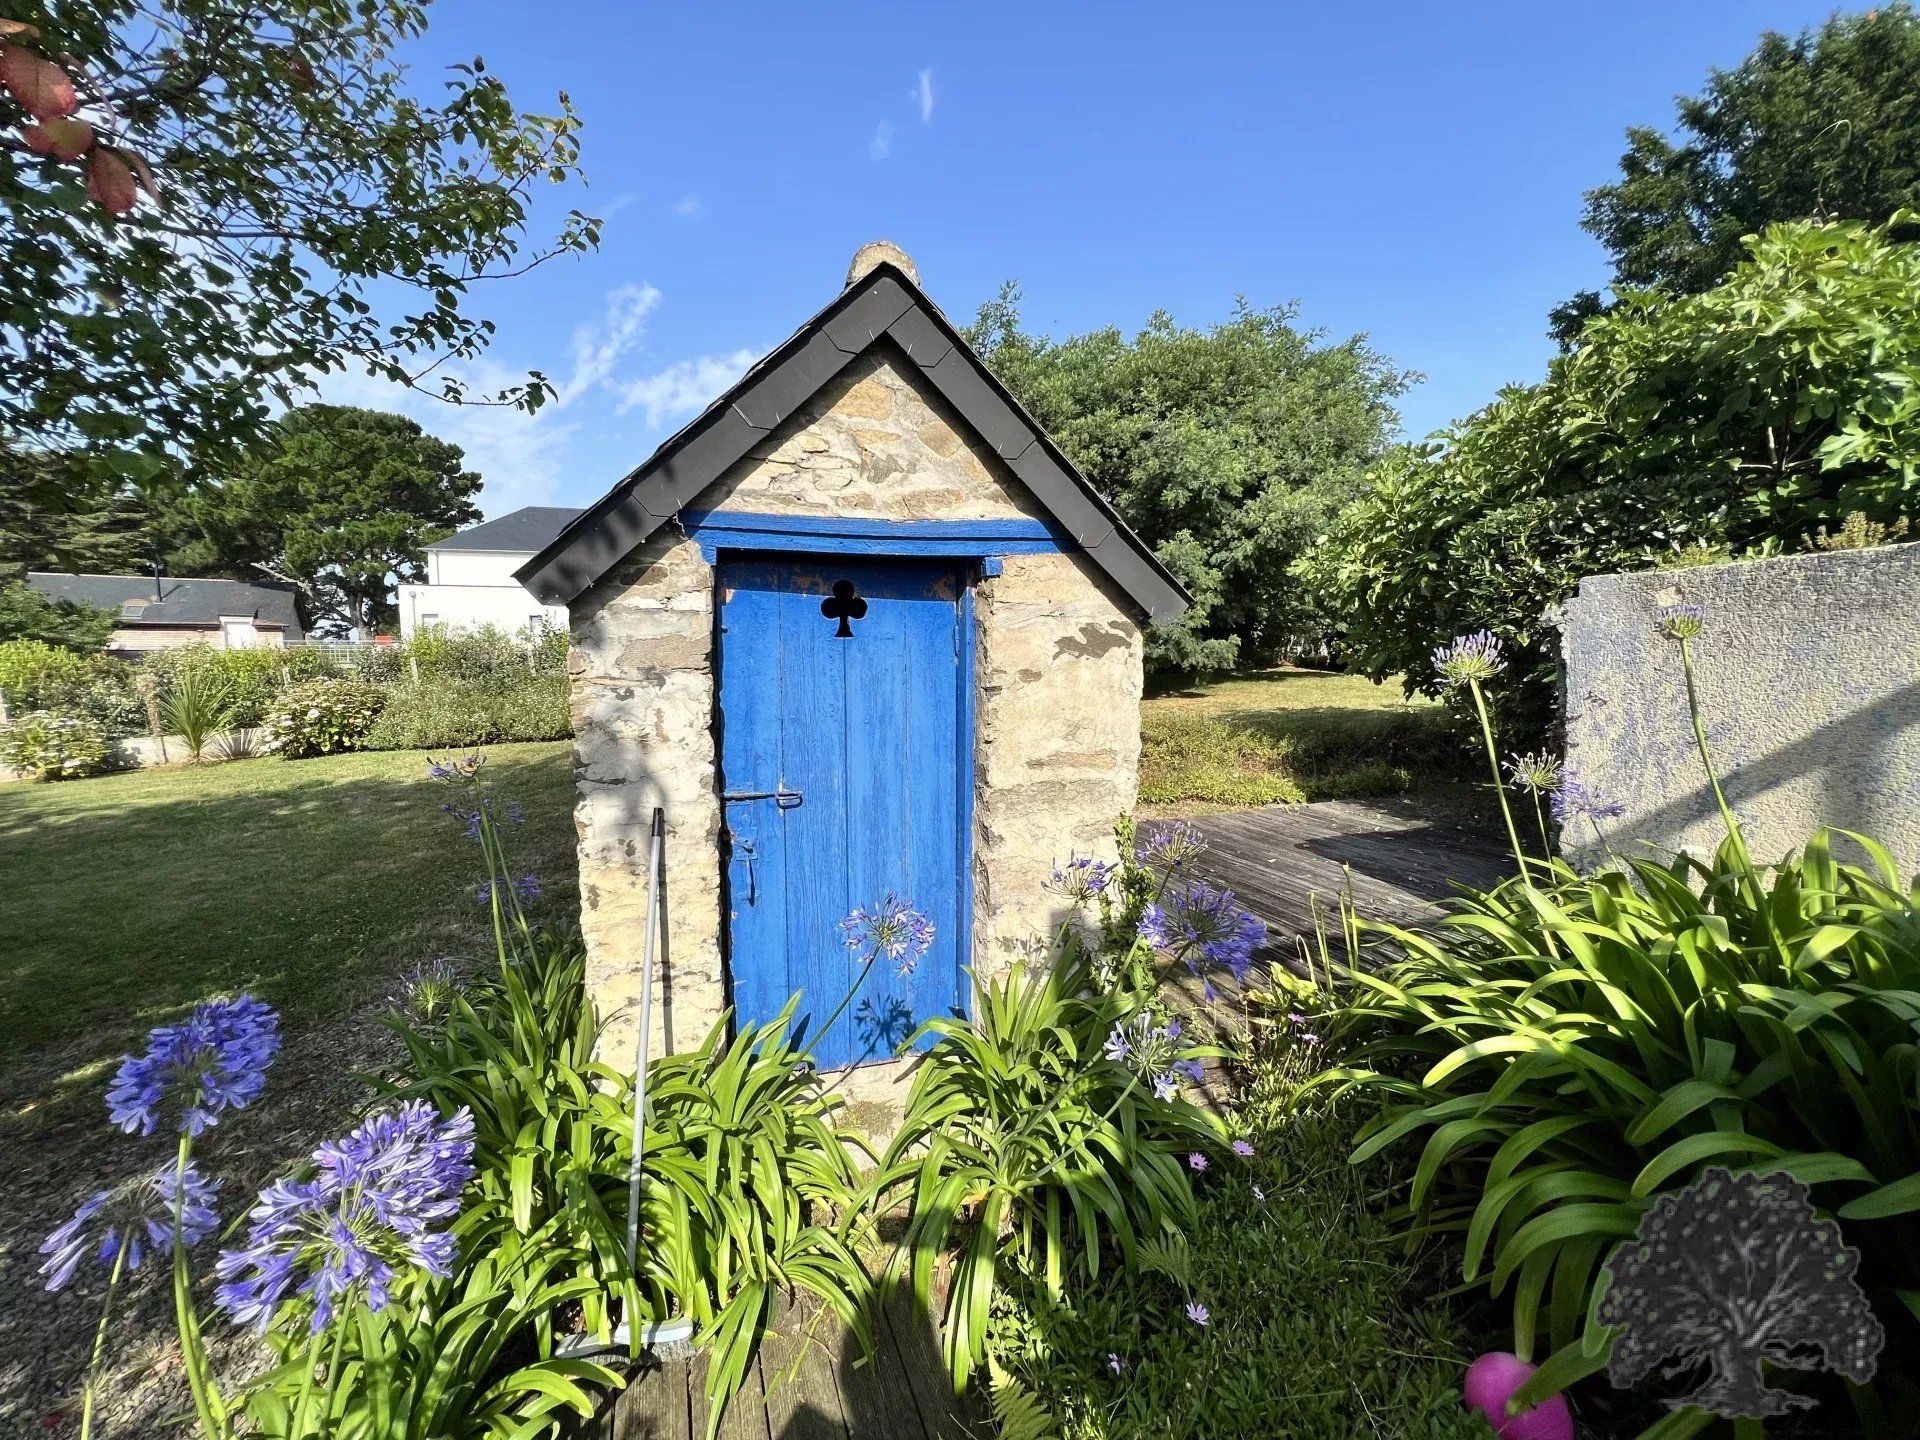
(1228, 450)
(1733, 1271)
(337, 502)
(1823, 126)
(210, 203)
(26, 614)
(1743, 418)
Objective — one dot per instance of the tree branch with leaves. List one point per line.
(285, 174)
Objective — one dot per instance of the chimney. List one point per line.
(879, 252)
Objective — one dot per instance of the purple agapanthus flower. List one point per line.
(1080, 879)
(1682, 622)
(137, 1217)
(526, 887)
(428, 988)
(214, 1060)
(1169, 848)
(1203, 927)
(1575, 800)
(1115, 1363)
(1151, 1051)
(1469, 659)
(892, 928)
(1243, 1148)
(1197, 1313)
(464, 767)
(373, 1209)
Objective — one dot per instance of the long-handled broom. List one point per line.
(672, 1336)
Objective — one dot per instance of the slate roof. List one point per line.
(184, 603)
(883, 305)
(530, 528)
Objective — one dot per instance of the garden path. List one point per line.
(809, 1383)
(1395, 857)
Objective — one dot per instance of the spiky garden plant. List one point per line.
(1566, 1047)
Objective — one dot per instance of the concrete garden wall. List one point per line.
(1058, 676)
(1809, 671)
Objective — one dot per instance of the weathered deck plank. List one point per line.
(1394, 858)
(810, 1382)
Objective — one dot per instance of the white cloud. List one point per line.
(685, 388)
(688, 206)
(923, 96)
(598, 348)
(881, 146)
(521, 456)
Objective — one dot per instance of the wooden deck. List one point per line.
(810, 1383)
(1394, 857)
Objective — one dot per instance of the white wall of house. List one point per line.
(468, 589)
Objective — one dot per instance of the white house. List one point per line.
(470, 575)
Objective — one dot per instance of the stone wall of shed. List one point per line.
(1057, 731)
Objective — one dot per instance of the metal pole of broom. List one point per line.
(646, 1036)
(673, 1336)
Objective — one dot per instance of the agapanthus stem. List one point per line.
(1540, 815)
(845, 1000)
(1734, 832)
(207, 1404)
(1499, 786)
(306, 1385)
(100, 1343)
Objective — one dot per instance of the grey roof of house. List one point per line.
(186, 604)
(883, 306)
(530, 528)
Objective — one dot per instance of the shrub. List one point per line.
(49, 745)
(455, 714)
(38, 676)
(486, 656)
(1572, 1047)
(1782, 401)
(252, 678)
(322, 717)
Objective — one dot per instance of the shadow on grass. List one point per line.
(310, 883)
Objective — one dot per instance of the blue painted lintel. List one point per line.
(715, 530)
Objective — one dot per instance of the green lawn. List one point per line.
(315, 882)
(1290, 735)
(311, 882)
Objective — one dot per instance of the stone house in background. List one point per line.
(160, 612)
(858, 629)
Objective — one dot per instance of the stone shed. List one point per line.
(859, 628)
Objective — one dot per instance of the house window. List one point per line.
(429, 619)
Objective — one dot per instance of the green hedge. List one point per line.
(445, 714)
(37, 676)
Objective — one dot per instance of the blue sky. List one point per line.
(1413, 171)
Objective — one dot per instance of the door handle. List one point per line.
(784, 798)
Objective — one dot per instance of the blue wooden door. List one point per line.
(846, 769)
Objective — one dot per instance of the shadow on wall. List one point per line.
(1859, 769)
(1809, 681)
